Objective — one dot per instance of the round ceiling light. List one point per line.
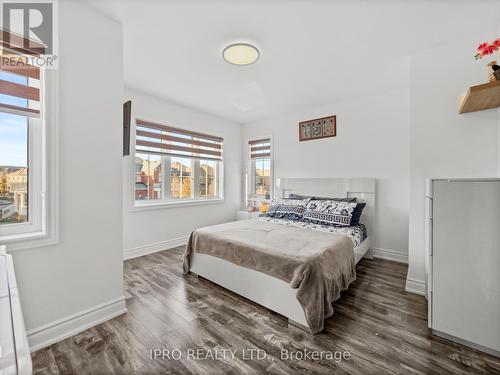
(240, 54)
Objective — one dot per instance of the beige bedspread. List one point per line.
(319, 265)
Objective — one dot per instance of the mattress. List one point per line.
(356, 233)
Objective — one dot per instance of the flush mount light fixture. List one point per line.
(240, 54)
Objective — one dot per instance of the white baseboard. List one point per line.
(415, 286)
(393, 255)
(154, 247)
(58, 330)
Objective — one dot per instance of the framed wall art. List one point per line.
(323, 127)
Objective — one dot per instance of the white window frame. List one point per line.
(250, 171)
(41, 229)
(166, 201)
(35, 184)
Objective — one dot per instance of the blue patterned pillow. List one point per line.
(329, 212)
(292, 209)
(356, 215)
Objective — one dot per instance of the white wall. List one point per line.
(157, 229)
(372, 141)
(498, 122)
(442, 142)
(498, 143)
(84, 270)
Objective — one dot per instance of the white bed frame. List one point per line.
(271, 292)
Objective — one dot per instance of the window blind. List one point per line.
(19, 80)
(154, 138)
(260, 148)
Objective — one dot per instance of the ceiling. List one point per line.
(312, 52)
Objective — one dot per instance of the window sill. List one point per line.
(174, 204)
(28, 241)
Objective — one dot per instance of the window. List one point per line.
(208, 178)
(175, 165)
(260, 176)
(147, 177)
(181, 178)
(22, 151)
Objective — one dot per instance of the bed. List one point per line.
(231, 262)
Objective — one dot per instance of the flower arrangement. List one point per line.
(486, 49)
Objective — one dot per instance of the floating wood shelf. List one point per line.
(480, 97)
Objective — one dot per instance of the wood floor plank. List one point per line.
(383, 327)
(44, 362)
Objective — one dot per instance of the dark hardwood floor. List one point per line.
(383, 328)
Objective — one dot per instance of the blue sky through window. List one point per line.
(13, 128)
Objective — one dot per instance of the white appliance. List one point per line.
(463, 244)
(15, 358)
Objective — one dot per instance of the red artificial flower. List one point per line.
(490, 49)
(485, 49)
(482, 46)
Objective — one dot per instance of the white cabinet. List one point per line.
(7, 348)
(15, 358)
(463, 241)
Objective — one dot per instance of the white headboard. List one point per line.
(364, 189)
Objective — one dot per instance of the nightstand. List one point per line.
(245, 215)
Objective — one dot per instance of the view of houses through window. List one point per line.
(262, 176)
(181, 178)
(260, 166)
(14, 146)
(13, 194)
(208, 178)
(147, 177)
(180, 183)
